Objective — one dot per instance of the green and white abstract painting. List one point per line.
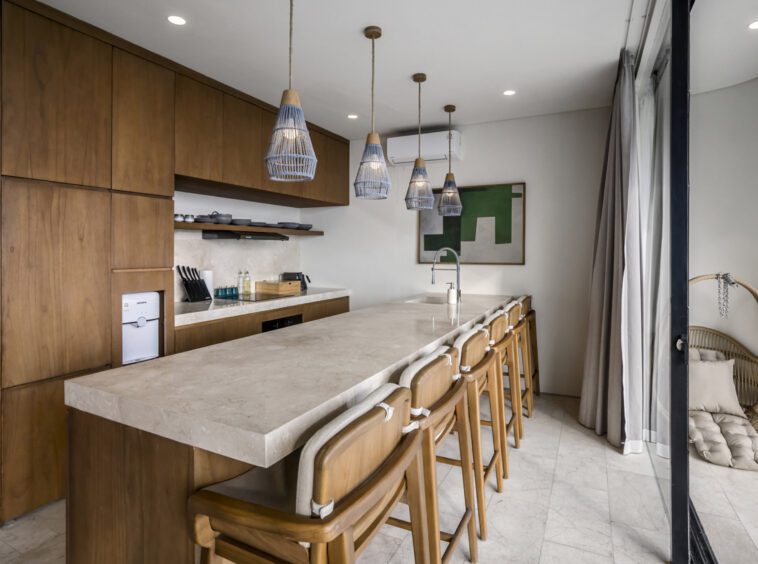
(489, 231)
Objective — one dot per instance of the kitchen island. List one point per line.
(142, 438)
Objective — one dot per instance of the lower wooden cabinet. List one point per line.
(33, 447)
(197, 335)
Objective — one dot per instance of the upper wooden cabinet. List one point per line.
(143, 231)
(242, 153)
(56, 280)
(331, 184)
(143, 126)
(199, 130)
(56, 95)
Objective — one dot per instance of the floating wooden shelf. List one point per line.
(246, 229)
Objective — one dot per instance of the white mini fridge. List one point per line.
(140, 326)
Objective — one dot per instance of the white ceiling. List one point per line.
(723, 51)
(558, 55)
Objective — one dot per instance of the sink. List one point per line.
(428, 300)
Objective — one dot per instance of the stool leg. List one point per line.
(501, 461)
(498, 372)
(342, 549)
(464, 443)
(429, 456)
(514, 377)
(533, 347)
(414, 477)
(527, 370)
(476, 446)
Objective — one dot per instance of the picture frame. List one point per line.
(493, 232)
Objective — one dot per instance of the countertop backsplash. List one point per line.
(265, 260)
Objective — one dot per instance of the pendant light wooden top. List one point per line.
(373, 32)
(450, 108)
(419, 77)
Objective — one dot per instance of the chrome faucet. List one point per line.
(457, 268)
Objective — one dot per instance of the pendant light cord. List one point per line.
(373, 73)
(292, 7)
(419, 120)
(449, 142)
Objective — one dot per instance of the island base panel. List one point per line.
(128, 491)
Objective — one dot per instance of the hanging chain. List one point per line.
(373, 73)
(724, 280)
(292, 8)
(419, 120)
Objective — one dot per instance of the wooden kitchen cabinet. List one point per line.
(326, 308)
(33, 447)
(143, 231)
(208, 333)
(56, 280)
(56, 97)
(331, 184)
(143, 126)
(242, 143)
(198, 130)
(188, 337)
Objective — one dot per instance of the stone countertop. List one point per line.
(187, 313)
(259, 398)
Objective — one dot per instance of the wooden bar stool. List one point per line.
(326, 505)
(524, 335)
(439, 401)
(531, 318)
(478, 364)
(504, 342)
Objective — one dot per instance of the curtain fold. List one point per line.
(601, 405)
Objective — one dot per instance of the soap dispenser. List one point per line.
(452, 294)
(248, 284)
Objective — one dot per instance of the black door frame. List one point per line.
(680, 83)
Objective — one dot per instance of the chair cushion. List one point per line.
(724, 439)
(306, 470)
(712, 388)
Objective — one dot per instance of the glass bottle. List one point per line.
(247, 284)
(240, 284)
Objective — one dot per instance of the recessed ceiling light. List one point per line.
(352, 116)
(177, 20)
(509, 93)
(753, 25)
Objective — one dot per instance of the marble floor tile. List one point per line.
(381, 550)
(554, 553)
(635, 500)
(637, 463)
(729, 539)
(638, 546)
(709, 497)
(579, 517)
(583, 469)
(25, 535)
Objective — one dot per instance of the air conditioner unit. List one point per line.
(404, 150)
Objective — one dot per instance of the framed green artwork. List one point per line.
(490, 230)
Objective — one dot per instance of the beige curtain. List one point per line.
(601, 406)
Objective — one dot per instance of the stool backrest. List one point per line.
(526, 305)
(512, 313)
(472, 346)
(349, 449)
(431, 377)
(497, 324)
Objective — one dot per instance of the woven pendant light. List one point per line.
(373, 179)
(419, 195)
(450, 200)
(290, 156)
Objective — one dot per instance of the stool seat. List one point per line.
(274, 487)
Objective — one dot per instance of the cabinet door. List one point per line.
(56, 96)
(327, 308)
(199, 129)
(338, 174)
(243, 157)
(143, 231)
(56, 280)
(33, 447)
(143, 126)
(268, 119)
(197, 335)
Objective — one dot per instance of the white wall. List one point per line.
(724, 205)
(263, 259)
(370, 246)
